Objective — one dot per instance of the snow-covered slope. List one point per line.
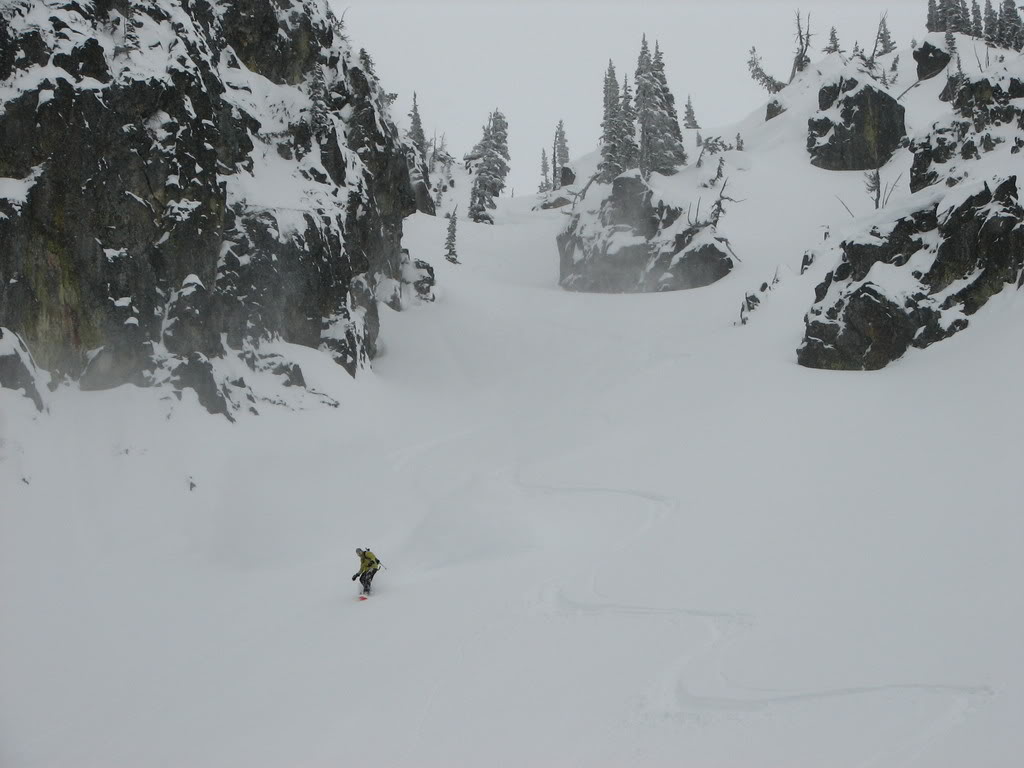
(618, 530)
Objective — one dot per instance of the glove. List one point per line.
(355, 577)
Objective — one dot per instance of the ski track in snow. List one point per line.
(673, 698)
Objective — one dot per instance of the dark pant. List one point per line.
(366, 578)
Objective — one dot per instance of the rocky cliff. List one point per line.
(182, 180)
(650, 235)
(916, 273)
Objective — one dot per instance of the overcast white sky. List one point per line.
(541, 61)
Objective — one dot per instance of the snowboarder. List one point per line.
(368, 567)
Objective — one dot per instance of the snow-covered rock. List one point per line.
(858, 125)
(649, 236)
(18, 370)
(914, 280)
(230, 169)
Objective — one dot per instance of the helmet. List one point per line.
(359, 551)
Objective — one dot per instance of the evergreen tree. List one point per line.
(761, 77)
(949, 15)
(478, 203)
(1009, 24)
(739, 142)
(563, 145)
(496, 164)
(366, 62)
(964, 13)
(449, 242)
(833, 42)
(884, 44)
(668, 101)
(950, 43)
(491, 154)
(977, 24)
(690, 118)
(416, 136)
(611, 126)
(933, 17)
(545, 169)
(991, 20)
(559, 154)
(628, 154)
(661, 148)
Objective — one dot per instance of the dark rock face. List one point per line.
(868, 128)
(195, 372)
(190, 326)
(856, 323)
(635, 247)
(931, 61)
(17, 369)
(567, 176)
(149, 224)
(558, 201)
(981, 108)
(774, 109)
(420, 275)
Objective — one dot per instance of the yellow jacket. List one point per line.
(368, 562)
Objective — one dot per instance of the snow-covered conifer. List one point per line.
(761, 77)
(977, 24)
(933, 17)
(416, 136)
(496, 163)
(833, 42)
(690, 118)
(562, 146)
(366, 62)
(478, 203)
(660, 147)
(559, 155)
(884, 42)
(1009, 24)
(449, 242)
(627, 148)
(668, 101)
(991, 21)
(739, 142)
(611, 126)
(949, 15)
(491, 158)
(545, 170)
(950, 43)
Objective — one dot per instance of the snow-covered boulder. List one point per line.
(174, 172)
(18, 370)
(987, 113)
(930, 61)
(858, 126)
(195, 372)
(915, 278)
(634, 244)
